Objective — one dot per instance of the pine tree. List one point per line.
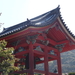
(7, 59)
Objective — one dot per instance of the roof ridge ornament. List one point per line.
(29, 22)
(28, 19)
(58, 6)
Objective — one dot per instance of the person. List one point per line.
(55, 71)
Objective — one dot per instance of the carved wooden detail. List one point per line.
(46, 42)
(31, 39)
(60, 47)
(38, 48)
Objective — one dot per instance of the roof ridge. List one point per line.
(62, 20)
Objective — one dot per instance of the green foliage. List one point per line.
(7, 60)
(72, 73)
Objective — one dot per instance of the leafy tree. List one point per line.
(0, 14)
(1, 28)
(7, 59)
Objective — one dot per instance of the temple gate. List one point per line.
(39, 40)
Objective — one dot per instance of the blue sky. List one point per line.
(17, 11)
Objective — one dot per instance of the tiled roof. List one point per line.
(40, 21)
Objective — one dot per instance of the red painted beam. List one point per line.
(59, 64)
(21, 45)
(38, 44)
(24, 32)
(39, 62)
(52, 56)
(46, 66)
(48, 48)
(63, 42)
(52, 59)
(31, 59)
(51, 41)
(23, 63)
(68, 48)
(38, 52)
(51, 48)
(20, 56)
(22, 53)
(13, 35)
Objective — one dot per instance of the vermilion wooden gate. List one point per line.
(39, 40)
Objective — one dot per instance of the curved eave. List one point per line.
(65, 29)
(40, 21)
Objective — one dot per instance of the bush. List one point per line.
(72, 73)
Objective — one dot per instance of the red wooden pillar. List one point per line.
(59, 64)
(46, 61)
(31, 59)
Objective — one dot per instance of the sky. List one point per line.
(17, 11)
